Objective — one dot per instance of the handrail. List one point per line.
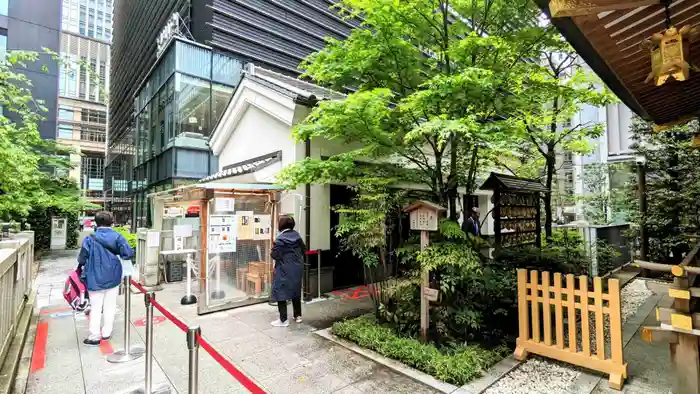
(16, 258)
(244, 380)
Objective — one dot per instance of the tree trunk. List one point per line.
(550, 161)
(452, 179)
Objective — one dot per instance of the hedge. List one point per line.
(457, 365)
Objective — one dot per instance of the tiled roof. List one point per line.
(512, 183)
(246, 167)
(288, 85)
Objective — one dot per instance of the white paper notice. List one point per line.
(182, 230)
(222, 204)
(153, 239)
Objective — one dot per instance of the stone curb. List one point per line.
(8, 370)
(475, 387)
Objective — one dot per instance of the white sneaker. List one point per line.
(298, 319)
(278, 323)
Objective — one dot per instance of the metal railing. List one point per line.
(193, 338)
(16, 258)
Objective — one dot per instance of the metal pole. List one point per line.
(149, 298)
(127, 353)
(149, 340)
(193, 334)
(318, 274)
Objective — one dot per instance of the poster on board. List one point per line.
(222, 233)
(261, 227)
(245, 224)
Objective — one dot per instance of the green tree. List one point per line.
(431, 81)
(673, 188)
(555, 90)
(33, 171)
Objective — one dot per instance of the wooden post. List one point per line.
(424, 284)
(685, 355)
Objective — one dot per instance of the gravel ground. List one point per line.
(543, 376)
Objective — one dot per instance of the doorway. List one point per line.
(348, 269)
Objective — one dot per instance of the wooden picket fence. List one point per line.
(537, 299)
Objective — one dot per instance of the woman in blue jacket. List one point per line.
(288, 253)
(99, 260)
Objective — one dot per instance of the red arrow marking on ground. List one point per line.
(106, 347)
(353, 294)
(50, 311)
(142, 322)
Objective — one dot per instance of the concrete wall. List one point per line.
(31, 26)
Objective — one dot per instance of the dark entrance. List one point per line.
(348, 269)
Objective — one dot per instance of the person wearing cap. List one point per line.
(473, 222)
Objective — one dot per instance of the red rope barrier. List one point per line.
(223, 361)
(179, 323)
(138, 286)
(230, 368)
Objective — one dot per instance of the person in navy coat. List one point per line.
(288, 253)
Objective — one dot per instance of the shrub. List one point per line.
(40, 222)
(130, 237)
(455, 365)
(476, 302)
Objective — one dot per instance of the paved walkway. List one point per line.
(291, 360)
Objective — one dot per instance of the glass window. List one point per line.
(192, 104)
(221, 95)
(3, 7)
(226, 70)
(193, 60)
(65, 131)
(66, 112)
(3, 45)
(108, 35)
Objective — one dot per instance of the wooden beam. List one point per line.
(658, 334)
(652, 266)
(562, 8)
(665, 316)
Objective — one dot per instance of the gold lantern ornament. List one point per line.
(669, 52)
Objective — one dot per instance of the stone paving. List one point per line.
(291, 360)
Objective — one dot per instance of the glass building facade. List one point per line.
(175, 111)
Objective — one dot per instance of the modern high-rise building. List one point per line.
(32, 25)
(86, 34)
(175, 65)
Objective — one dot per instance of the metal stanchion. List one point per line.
(128, 353)
(193, 334)
(163, 388)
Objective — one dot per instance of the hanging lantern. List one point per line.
(669, 53)
(655, 67)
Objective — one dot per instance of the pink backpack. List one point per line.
(75, 293)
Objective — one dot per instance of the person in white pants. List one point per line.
(103, 300)
(100, 260)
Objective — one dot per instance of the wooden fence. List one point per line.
(543, 307)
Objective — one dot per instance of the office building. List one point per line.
(86, 34)
(32, 25)
(175, 65)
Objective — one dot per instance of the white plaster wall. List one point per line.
(256, 134)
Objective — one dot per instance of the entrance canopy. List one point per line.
(610, 41)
